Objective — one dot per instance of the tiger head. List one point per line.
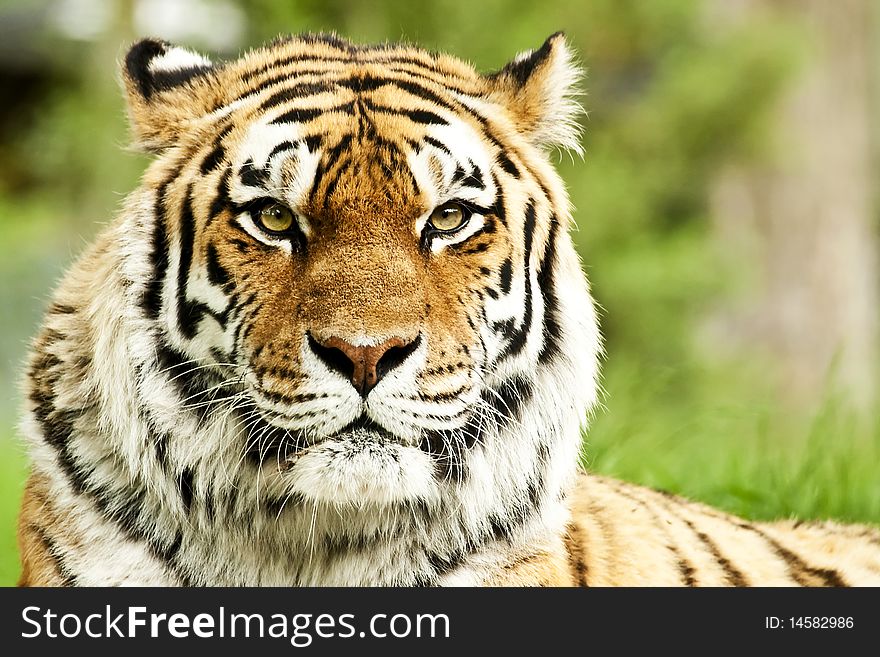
(358, 258)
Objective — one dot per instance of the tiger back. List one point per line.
(340, 336)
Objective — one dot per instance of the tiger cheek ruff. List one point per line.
(340, 336)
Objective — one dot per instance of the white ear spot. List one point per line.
(177, 59)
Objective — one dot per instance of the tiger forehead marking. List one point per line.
(340, 335)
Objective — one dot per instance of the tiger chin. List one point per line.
(340, 336)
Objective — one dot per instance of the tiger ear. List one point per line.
(539, 88)
(166, 87)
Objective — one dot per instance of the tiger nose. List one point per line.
(363, 366)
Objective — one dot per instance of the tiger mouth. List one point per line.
(365, 428)
(362, 432)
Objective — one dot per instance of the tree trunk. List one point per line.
(803, 228)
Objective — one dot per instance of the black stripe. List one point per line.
(520, 336)
(475, 178)
(444, 396)
(330, 187)
(274, 507)
(328, 161)
(498, 209)
(418, 116)
(441, 78)
(57, 428)
(247, 76)
(325, 80)
(546, 283)
(361, 84)
(333, 154)
(165, 80)
(212, 159)
(298, 91)
(459, 173)
(507, 164)
(423, 92)
(685, 569)
(479, 248)
(797, 567)
(505, 275)
(160, 446)
(68, 577)
(221, 201)
(151, 301)
(280, 148)
(440, 564)
(266, 442)
(299, 115)
(734, 576)
(242, 246)
(283, 398)
(215, 157)
(306, 114)
(510, 398)
(186, 488)
(189, 314)
(436, 143)
(56, 308)
(505, 327)
(313, 142)
(180, 375)
(423, 117)
(252, 176)
(217, 273)
(528, 503)
(420, 91)
(577, 556)
(446, 453)
(799, 570)
(137, 63)
(168, 554)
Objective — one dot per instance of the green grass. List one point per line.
(13, 471)
(740, 451)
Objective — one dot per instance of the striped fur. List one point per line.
(193, 419)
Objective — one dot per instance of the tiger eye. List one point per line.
(276, 218)
(449, 216)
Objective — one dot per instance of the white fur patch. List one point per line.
(362, 470)
(177, 59)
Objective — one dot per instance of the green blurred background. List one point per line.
(725, 208)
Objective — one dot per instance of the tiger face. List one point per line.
(362, 261)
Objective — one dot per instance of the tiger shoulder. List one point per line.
(340, 335)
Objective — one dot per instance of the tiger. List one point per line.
(340, 336)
